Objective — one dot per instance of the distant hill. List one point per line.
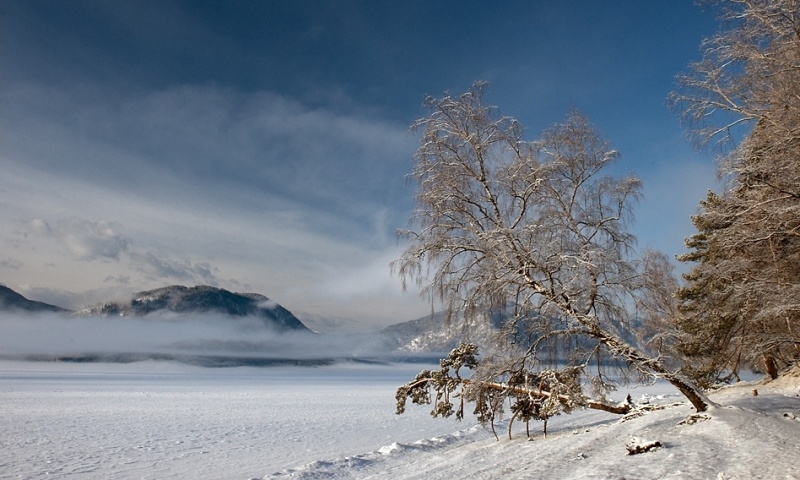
(201, 299)
(424, 334)
(432, 333)
(11, 300)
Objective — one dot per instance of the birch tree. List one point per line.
(536, 225)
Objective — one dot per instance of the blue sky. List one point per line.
(263, 145)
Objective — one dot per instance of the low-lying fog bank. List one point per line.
(199, 339)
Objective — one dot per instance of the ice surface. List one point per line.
(164, 420)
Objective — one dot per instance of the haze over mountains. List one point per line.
(175, 321)
(183, 323)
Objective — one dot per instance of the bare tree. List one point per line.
(539, 226)
(749, 73)
(657, 307)
(743, 295)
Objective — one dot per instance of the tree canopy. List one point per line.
(538, 227)
(741, 300)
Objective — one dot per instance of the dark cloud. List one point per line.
(11, 264)
(160, 268)
(218, 145)
(89, 240)
(118, 279)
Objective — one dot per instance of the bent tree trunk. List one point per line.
(692, 392)
(652, 366)
(620, 409)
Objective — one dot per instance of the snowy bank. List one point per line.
(749, 436)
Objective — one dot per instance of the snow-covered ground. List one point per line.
(164, 420)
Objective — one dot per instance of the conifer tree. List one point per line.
(741, 301)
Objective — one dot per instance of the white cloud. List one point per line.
(283, 251)
(84, 239)
(89, 240)
(370, 276)
(39, 226)
(205, 185)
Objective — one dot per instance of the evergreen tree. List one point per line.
(741, 301)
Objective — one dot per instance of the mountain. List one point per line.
(11, 300)
(201, 299)
(433, 333)
(424, 334)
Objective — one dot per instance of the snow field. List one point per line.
(161, 420)
(158, 421)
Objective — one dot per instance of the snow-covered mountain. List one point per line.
(428, 333)
(201, 299)
(11, 300)
(434, 333)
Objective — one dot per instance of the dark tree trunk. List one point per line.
(621, 409)
(772, 368)
(692, 392)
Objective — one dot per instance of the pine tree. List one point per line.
(741, 302)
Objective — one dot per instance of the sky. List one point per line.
(264, 146)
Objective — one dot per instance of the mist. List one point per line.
(208, 339)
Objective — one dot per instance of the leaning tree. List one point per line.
(539, 230)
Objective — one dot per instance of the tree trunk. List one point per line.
(620, 409)
(772, 368)
(689, 390)
(652, 366)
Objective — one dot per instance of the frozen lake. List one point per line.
(165, 420)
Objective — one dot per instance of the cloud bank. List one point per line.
(203, 185)
(171, 336)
